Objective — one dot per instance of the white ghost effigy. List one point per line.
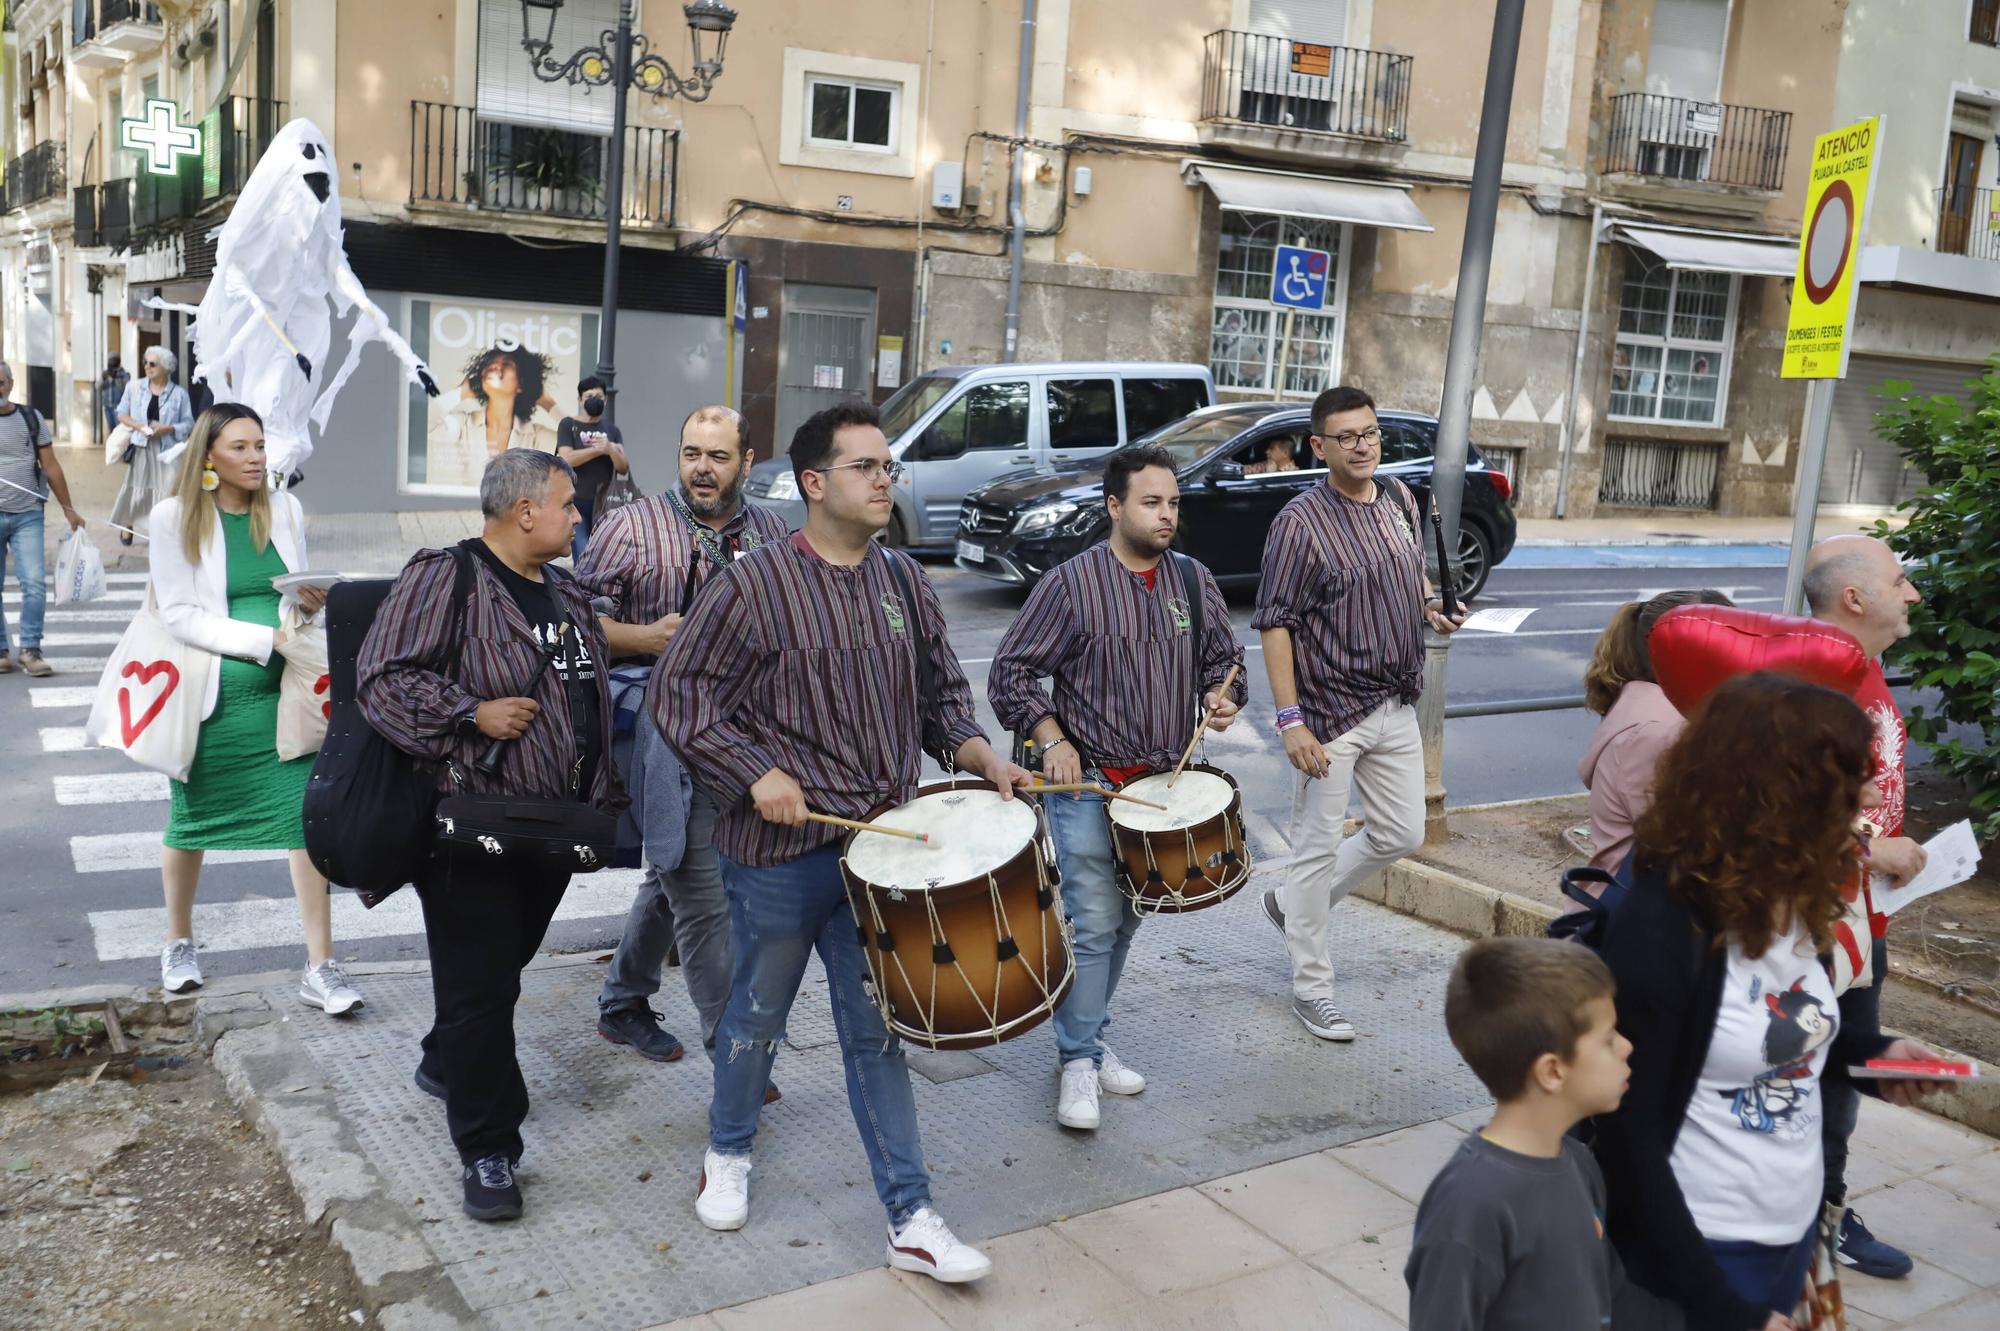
(262, 331)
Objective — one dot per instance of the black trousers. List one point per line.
(483, 923)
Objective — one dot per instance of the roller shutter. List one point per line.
(1861, 466)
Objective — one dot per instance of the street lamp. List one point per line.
(623, 58)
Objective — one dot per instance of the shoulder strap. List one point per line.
(461, 592)
(926, 682)
(1190, 582)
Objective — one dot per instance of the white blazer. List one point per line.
(193, 599)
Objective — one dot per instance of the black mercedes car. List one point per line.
(1238, 464)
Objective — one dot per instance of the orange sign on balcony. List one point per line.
(1313, 59)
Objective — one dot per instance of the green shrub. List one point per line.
(1952, 547)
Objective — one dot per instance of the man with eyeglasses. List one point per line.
(644, 565)
(792, 686)
(1341, 608)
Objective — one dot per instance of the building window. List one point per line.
(1243, 345)
(1671, 363)
(861, 116)
(1985, 22)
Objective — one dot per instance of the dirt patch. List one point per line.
(1518, 848)
(152, 1204)
(1952, 939)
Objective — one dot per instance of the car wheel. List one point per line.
(1474, 562)
(896, 537)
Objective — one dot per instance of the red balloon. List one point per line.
(1696, 647)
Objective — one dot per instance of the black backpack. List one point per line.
(370, 808)
(1591, 925)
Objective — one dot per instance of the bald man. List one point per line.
(1858, 584)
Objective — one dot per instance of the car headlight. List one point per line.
(1042, 518)
(784, 485)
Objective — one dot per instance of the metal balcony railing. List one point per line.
(233, 137)
(458, 160)
(1968, 221)
(103, 215)
(1260, 79)
(35, 175)
(1713, 143)
(1656, 473)
(126, 11)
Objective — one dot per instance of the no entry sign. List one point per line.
(1824, 288)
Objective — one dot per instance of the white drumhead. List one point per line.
(972, 832)
(1195, 798)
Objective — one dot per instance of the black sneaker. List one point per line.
(428, 1083)
(490, 1190)
(638, 1025)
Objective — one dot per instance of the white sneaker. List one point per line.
(327, 987)
(724, 1202)
(1115, 1077)
(927, 1246)
(1322, 1018)
(1076, 1105)
(180, 971)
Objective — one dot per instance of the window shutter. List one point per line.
(510, 93)
(1686, 55)
(1320, 21)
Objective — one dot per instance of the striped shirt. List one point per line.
(413, 688)
(640, 557)
(791, 662)
(1124, 669)
(1347, 579)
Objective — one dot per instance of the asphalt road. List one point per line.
(79, 828)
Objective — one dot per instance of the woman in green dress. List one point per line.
(218, 543)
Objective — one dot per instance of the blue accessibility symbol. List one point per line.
(1299, 278)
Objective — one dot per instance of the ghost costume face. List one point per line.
(262, 331)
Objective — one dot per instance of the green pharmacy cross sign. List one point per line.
(161, 136)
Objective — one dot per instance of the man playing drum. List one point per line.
(648, 560)
(1113, 626)
(1341, 609)
(792, 689)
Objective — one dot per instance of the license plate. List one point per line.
(973, 551)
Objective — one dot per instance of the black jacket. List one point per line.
(1670, 973)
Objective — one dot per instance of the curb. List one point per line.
(1560, 543)
(278, 1088)
(1437, 896)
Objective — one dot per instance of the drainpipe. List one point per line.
(1576, 366)
(1016, 219)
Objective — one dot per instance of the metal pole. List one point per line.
(1805, 499)
(1461, 366)
(1017, 220)
(1576, 366)
(1284, 351)
(614, 210)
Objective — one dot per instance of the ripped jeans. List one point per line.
(777, 917)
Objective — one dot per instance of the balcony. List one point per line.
(1968, 222)
(35, 175)
(108, 33)
(103, 215)
(1674, 141)
(233, 137)
(1302, 101)
(458, 160)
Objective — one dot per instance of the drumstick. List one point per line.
(1094, 789)
(1202, 729)
(858, 826)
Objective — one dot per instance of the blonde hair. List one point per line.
(198, 505)
(1621, 656)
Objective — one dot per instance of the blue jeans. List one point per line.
(22, 533)
(1102, 915)
(1767, 1275)
(684, 905)
(777, 917)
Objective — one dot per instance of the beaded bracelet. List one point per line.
(1289, 717)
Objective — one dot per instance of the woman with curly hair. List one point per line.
(503, 402)
(1713, 1162)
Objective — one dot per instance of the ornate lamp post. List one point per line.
(624, 59)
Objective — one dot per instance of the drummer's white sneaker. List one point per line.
(1076, 1105)
(927, 1246)
(724, 1202)
(1115, 1077)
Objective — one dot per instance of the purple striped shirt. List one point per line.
(790, 662)
(639, 556)
(1124, 669)
(1346, 579)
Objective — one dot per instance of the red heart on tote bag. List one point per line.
(131, 729)
(320, 686)
(1696, 647)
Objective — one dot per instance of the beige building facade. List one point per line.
(845, 184)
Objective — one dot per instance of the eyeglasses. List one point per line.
(1353, 442)
(871, 469)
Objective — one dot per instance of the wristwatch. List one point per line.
(467, 723)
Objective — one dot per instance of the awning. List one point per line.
(1714, 251)
(1241, 190)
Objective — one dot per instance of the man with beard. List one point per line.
(648, 561)
(1113, 626)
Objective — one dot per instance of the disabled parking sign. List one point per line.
(1298, 281)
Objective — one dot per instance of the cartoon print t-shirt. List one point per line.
(1748, 1157)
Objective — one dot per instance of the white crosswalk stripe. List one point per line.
(111, 788)
(254, 922)
(130, 595)
(79, 696)
(76, 665)
(79, 640)
(91, 614)
(115, 852)
(63, 739)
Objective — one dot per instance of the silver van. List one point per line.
(957, 427)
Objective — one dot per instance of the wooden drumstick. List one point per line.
(858, 826)
(1207, 715)
(1094, 789)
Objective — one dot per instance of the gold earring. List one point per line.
(209, 480)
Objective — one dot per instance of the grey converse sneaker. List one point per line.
(327, 987)
(1271, 911)
(1322, 1018)
(180, 971)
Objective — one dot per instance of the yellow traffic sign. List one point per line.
(1825, 286)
